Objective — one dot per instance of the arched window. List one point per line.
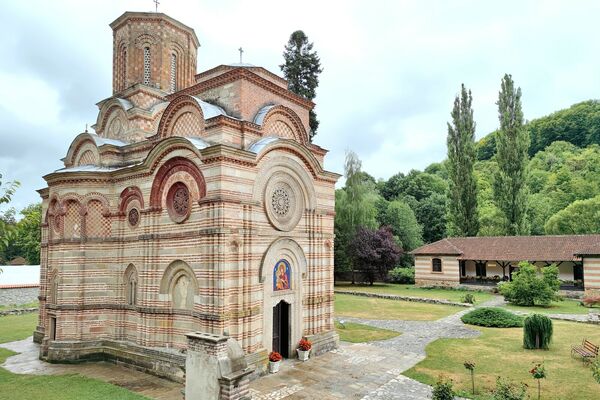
(436, 265)
(123, 68)
(173, 72)
(146, 65)
(131, 285)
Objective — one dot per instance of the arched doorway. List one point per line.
(281, 328)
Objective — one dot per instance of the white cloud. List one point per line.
(391, 68)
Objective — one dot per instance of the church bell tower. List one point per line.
(153, 49)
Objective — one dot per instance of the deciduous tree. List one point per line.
(374, 252)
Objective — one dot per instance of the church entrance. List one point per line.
(281, 328)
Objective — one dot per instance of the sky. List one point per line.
(391, 69)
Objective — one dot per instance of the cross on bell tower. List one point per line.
(241, 52)
(156, 3)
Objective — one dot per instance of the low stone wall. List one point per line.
(160, 362)
(18, 295)
(404, 298)
(18, 311)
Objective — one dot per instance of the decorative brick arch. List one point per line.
(80, 149)
(169, 168)
(170, 281)
(110, 111)
(280, 119)
(182, 117)
(127, 196)
(98, 197)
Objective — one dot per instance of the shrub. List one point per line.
(596, 369)
(509, 391)
(443, 390)
(304, 344)
(537, 332)
(468, 298)
(275, 356)
(402, 275)
(492, 317)
(528, 288)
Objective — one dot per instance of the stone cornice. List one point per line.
(157, 17)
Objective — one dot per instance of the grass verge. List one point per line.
(499, 352)
(414, 291)
(374, 308)
(48, 387)
(566, 306)
(360, 333)
(17, 327)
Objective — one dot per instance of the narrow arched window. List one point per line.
(131, 285)
(436, 265)
(123, 69)
(53, 289)
(146, 65)
(173, 72)
(132, 297)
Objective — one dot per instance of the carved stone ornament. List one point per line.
(133, 217)
(179, 202)
(284, 203)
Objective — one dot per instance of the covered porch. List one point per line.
(491, 272)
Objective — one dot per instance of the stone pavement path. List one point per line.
(366, 371)
(27, 362)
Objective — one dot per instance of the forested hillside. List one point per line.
(563, 183)
(578, 124)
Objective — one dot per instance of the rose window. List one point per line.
(133, 217)
(181, 200)
(280, 201)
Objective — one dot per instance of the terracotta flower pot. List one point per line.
(274, 366)
(303, 355)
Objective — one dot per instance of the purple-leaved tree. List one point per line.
(374, 252)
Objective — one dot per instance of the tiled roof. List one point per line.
(515, 248)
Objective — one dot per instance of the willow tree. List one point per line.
(512, 146)
(463, 217)
(354, 208)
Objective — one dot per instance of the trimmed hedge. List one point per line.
(492, 317)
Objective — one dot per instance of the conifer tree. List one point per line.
(512, 146)
(463, 217)
(301, 68)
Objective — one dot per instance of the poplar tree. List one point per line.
(301, 68)
(512, 146)
(463, 217)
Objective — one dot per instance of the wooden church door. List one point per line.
(281, 328)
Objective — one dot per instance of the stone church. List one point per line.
(198, 205)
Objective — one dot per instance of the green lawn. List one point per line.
(359, 333)
(499, 352)
(414, 291)
(372, 308)
(48, 387)
(17, 327)
(566, 306)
